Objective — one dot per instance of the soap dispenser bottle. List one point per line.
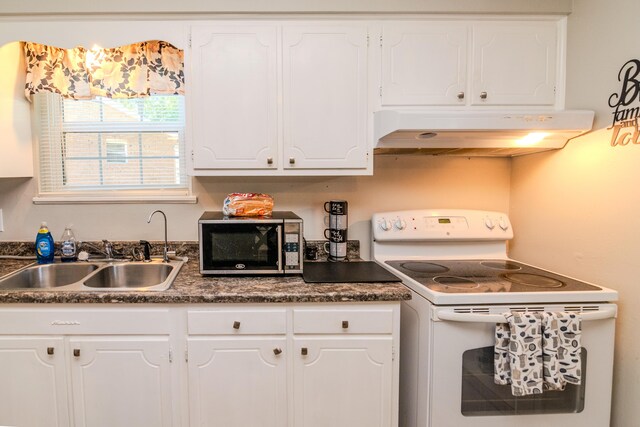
(68, 248)
(44, 245)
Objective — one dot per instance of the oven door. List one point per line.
(463, 392)
(241, 247)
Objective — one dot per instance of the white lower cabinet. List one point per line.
(87, 365)
(228, 365)
(237, 382)
(121, 381)
(343, 382)
(33, 384)
(301, 365)
(112, 381)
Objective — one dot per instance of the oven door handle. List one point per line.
(451, 316)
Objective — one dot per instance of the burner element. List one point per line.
(533, 280)
(501, 265)
(424, 267)
(456, 282)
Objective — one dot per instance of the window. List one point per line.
(108, 146)
(116, 151)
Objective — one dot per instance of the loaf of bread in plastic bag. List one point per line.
(248, 204)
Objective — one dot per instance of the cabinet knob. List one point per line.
(292, 160)
(345, 324)
(269, 160)
(483, 95)
(50, 350)
(460, 95)
(277, 351)
(304, 351)
(76, 352)
(236, 325)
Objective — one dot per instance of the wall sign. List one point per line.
(626, 105)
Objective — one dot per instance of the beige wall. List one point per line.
(399, 183)
(577, 210)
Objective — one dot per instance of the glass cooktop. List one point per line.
(472, 276)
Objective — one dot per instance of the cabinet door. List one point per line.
(234, 106)
(343, 382)
(514, 63)
(33, 386)
(15, 123)
(237, 382)
(325, 96)
(424, 63)
(121, 381)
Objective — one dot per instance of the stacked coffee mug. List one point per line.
(336, 247)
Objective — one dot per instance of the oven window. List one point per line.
(253, 245)
(480, 396)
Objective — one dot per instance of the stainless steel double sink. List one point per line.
(94, 276)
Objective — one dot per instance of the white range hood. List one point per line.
(477, 133)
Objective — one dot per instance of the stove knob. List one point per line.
(503, 224)
(489, 223)
(400, 224)
(385, 224)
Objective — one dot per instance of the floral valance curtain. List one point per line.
(132, 71)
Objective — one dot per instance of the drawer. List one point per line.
(98, 320)
(342, 321)
(237, 322)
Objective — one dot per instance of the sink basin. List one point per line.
(113, 276)
(47, 276)
(128, 276)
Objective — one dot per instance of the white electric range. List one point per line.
(462, 282)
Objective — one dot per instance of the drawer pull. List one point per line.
(292, 160)
(460, 95)
(269, 160)
(345, 324)
(483, 95)
(76, 352)
(50, 350)
(304, 351)
(236, 325)
(277, 351)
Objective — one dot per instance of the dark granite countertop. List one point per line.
(191, 287)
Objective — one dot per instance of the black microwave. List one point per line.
(250, 245)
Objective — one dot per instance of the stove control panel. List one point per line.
(441, 224)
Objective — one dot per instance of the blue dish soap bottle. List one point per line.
(44, 245)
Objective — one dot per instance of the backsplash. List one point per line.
(182, 248)
(353, 249)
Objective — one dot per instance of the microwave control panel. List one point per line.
(292, 245)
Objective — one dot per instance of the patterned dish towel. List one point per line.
(561, 348)
(537, 351)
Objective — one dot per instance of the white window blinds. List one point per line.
(106, 144)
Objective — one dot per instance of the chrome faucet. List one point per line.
(108, 249)
(106, 252)
(165, 255)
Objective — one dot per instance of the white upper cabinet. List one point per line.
(279, 99)
(16, 155)
(424, 63)
(514, 63)
(325, 96)
(234, 97)
(465, 63)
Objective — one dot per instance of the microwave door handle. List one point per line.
(447, 315)
(280, 248)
